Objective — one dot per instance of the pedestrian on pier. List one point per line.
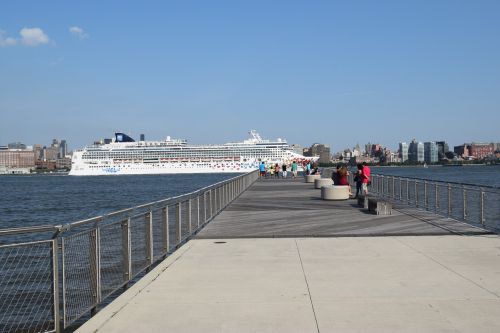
(358, 179)
(262, 169)
(277, 170)
(366, 178)
(283, 168)
(294, 169)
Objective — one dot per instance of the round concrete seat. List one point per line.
(311, 178)
(320, 182)
(340, 192)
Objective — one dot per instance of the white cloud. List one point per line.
(78, 32)
(33, 36)
(6, 41)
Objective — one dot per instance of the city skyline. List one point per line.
(334, 73)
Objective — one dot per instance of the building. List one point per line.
(17, 158)
(403, 152)
(50, 153)
(416, 151)
(63, 149)
(321, 150)
(462, 150)
(431, 152)
(442, 149)
(16, 145)
(481, 150)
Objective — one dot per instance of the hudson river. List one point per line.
(59, 199)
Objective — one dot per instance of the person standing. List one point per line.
(277, 170)
(366, 178)
(262, 169)
(294, 169)
(283, 168)
(358, 179)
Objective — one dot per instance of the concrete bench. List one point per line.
(320, 182)
(375, 205)
(311, 178)
(340, 192)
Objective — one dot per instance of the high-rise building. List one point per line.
(430, 152)
(416, 151)
(403, 151)
(443, 148)
(63, 149)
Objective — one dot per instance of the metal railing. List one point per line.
(49, 284)
(477, 205)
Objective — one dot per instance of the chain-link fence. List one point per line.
(98, 257)
(28, 287)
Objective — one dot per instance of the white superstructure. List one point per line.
(124, 156)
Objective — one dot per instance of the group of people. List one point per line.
(361, 178)
(277, 171)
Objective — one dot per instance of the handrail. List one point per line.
(143, 236)
(439, 181)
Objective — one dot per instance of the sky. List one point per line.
(333, 72)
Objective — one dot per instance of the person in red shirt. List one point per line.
(365, 176)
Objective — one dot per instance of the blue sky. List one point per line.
(335, 72)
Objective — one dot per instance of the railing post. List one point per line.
(393, 187)
(190, 220)
(205, 207)
(416, 193)
(481, 207)
(449, 199)
(210, 202)
(55, 285)
(148, 223)
(465, 202)
(400, 189)
(178, 222)
(95, 269)
(425, 195)
(126, 251)
(437, 197)
(198, 211)
(165, 230)
(407, 191)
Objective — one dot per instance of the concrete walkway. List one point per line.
(246, 281)
(384, 284)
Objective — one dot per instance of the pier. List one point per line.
(280, 259)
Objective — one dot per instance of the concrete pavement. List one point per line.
(349, 284)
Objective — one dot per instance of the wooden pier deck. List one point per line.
(286, 208)
(278, 259)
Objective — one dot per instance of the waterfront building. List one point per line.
(430, 152)
(443, 148)
(416, 151)
(462, 150)
(17, 158)
(481, 150)
(321, 150)
(403, 151)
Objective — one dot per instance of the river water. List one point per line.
(28, 200)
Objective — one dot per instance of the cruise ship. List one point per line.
(124, 156)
